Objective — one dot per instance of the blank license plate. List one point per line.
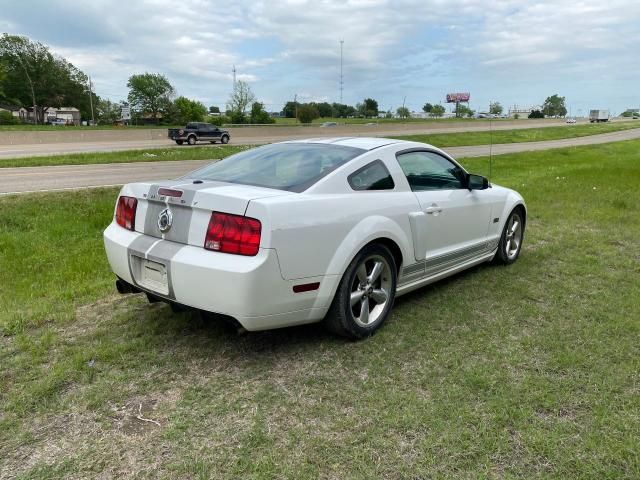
(153, 275)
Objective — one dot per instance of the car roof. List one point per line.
(365, 143)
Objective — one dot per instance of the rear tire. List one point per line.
(511, 238)
(365, 294)
(179, 142)
(224, 139)
(191, 140)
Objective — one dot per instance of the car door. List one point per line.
(453, 223)
(204, 131)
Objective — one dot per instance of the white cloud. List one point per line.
(418, 48)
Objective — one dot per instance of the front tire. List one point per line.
(365, 294)
(224, 139)
(191, 140)
(511, 239)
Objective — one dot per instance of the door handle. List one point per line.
(433, 209)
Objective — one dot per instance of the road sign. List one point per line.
(125, 112)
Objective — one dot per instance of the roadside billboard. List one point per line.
(458, 97)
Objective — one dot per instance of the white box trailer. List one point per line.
(598, 116)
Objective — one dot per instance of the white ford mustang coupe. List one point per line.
(328, 229)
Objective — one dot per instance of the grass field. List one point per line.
(218, 151)
(212, 152)
(527, 371)
(519, 135)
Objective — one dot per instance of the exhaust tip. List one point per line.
(125, 287)
(122, 287)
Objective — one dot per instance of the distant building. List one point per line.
(71, 115)
(18, 112)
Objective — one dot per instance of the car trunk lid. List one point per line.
(180, 212)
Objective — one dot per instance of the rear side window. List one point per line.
(284, 166)
(373, 176)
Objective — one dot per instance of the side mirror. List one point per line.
(477, 182)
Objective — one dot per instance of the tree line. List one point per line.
(32, 76)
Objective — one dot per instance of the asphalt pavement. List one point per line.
(17, 144)
(33, 179)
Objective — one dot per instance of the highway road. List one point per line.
(33, 179)
(26, 144)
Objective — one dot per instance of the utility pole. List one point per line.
(91, 101)
(234, 77)
(341, 77)
(295, 103)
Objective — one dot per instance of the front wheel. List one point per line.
(365, 294)
(192, 140)
(224, 139)
(511, 239)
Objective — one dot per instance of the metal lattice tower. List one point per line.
(341, 77)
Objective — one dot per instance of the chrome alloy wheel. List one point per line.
(513, 236)
(370, 290)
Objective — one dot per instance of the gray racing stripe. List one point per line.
(181, 208)
(163, 252)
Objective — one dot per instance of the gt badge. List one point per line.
(165, 219)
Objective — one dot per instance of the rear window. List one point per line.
(285, 166)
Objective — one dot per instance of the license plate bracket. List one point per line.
(151, 275)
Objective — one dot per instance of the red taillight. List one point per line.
(233, 234)
(126, 212)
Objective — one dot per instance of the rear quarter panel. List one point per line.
(319, 234)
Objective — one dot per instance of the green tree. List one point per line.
(3, 75)
(403, 112)
(186, 110)
(259, 115)
(150, 93)
(340, 110)
(536, 114)
(368, 108)
(289, 110)
(463, 111)
(239, 102)
(214, 109)
(324, 109)
(495, 108)
(554, 106)
(107, 112)
(35, 77)
(307, 113)
(437, 111)
(427, 108)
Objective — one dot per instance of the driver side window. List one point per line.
(430, 171)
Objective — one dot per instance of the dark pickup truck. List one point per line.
(199, 132)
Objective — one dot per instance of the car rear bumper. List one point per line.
(249, 289)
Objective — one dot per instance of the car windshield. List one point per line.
(284, 166)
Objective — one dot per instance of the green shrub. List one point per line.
(6, 118)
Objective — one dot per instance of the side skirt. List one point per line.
(415, 284)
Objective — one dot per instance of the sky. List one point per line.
(516, 52)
